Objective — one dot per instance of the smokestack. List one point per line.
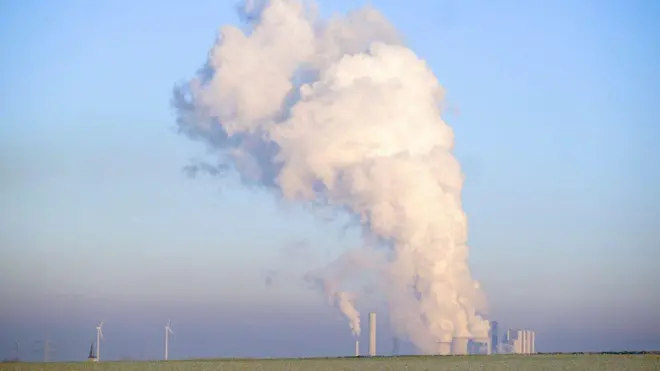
(444, 348)
(372, 334)
(459, 346)
(357, 348)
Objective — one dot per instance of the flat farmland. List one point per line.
(421, 363)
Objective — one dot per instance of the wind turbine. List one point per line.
(168, 331)
(99, 336)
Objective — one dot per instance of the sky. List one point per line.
(557, 126)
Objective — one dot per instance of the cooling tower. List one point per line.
(459, 346)
(444, 348)
(372, 334)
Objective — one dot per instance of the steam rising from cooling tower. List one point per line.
(339, 114)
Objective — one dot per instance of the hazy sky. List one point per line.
(557, 124)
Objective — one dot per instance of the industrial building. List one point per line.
(514, 341)
(494, 338)
(464, 346)
(521, 341)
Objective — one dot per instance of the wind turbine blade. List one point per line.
(101, 324)
(101, 333)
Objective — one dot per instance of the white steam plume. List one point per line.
(339, 113)
(341, 299)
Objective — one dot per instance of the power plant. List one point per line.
(514, 341)
(521, 341)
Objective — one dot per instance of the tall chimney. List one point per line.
(372, 334)
(357, 348)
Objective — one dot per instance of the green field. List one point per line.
(458, 363)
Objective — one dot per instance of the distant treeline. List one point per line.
(596, 353)
(652, 352)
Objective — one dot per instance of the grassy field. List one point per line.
(457, 363)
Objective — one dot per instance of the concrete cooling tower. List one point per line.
(444, 348)
(459, 346)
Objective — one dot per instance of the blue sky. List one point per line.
(557, 127)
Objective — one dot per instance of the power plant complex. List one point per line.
(514, 341)
(521, 341)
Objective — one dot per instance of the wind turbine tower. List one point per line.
(168, 332)
(99, 336)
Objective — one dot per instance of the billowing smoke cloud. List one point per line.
(340, 114)
(340, 299)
